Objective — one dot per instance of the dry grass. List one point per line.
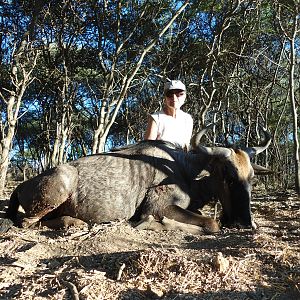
(116, 261)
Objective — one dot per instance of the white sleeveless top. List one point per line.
(175, 130)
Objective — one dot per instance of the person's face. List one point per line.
(175, 98)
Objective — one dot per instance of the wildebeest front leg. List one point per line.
(168, 216)
(179, 214)
(150, 223)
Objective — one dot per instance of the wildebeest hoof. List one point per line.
(27, 222)
(212, 226)
(145, 223)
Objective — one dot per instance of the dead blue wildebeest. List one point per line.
(150, 182)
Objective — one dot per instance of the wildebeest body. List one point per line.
(147, 179)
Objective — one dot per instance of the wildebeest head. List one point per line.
(230, 180)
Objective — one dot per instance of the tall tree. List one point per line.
(288, 19)
(19, 62)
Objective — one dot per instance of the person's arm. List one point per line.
(151, 131)
(190, 130)
(189, 133)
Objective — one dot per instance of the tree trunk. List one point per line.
(294, 113)
(13, 106)
(4, 160)
(21, 78)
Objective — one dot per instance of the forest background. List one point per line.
(80, 77)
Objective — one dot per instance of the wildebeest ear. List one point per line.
(260, 170)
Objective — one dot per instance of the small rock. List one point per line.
(154, 291)
(221, 263)
(5, 225)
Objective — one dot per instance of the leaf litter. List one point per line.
(116, 261)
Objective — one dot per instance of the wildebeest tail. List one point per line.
(13, 206)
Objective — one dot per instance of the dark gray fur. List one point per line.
(149, 178)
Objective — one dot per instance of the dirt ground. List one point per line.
(116, 261)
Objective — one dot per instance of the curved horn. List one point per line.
(196, 139)
(215, 151)
(260, 170)
(252, 151)
(212, 151)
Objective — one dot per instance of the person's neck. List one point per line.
(170, 111)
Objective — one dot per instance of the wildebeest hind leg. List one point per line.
(41, 195)
(63, 222)
(150, 223)
(179, 214)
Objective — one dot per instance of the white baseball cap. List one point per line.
(174, 85)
